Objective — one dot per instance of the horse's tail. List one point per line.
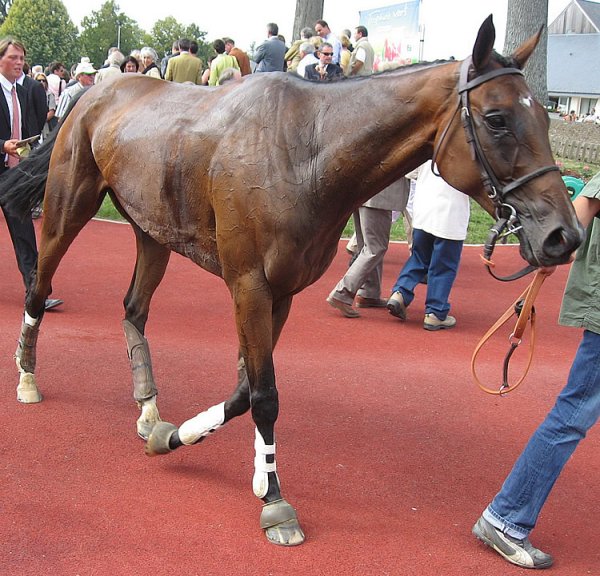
(22, 187)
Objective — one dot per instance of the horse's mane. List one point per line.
(402, 69)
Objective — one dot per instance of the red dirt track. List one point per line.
(386, 448)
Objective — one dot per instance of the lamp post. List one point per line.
(119, 34)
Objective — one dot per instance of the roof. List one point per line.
(573, 64)
(592, 11)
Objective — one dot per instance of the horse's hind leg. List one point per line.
(56, 237)
(150, 266)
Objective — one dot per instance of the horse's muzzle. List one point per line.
(558, 246)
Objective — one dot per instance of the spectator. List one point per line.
(440, 220)
(363, 55)
(373, 222)
(307, 58)
(184, 67)
(149, 60)
(51, 120)
(230, 76)
(325, 70)
(130, 65)
(346, 52)
(242, 58)
(165, 61)
(269, 56)
(322, 30)
(114, 61)
(56, 80)
(220, 63)
(292, 56)
(84, 76)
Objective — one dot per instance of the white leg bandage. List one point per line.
(202, 425)
(29, 320)
(260, 481)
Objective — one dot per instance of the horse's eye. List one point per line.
(495, 121)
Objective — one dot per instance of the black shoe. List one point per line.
(52, 303)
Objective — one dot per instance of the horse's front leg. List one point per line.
(258, 337)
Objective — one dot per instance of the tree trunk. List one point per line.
(307, 13)
(524, 19)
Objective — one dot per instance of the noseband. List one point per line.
(507, 221)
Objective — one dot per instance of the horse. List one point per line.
(254, 182)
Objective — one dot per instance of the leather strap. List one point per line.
(525, 315)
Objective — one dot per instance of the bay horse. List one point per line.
(254, 182)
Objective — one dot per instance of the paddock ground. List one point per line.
(386, 448)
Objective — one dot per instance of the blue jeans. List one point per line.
(439, 259)
(516, 507)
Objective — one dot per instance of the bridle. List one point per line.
(507, 221)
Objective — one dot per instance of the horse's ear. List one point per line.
(482, 51)
(524, 51)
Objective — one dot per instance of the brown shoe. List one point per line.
(345, 309)
(370, 302)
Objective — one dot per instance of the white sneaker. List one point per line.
(396, 306)
(432, 322)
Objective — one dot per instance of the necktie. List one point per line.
(16, 126)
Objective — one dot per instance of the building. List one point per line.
(573, 48)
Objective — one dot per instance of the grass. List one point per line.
(479, 224)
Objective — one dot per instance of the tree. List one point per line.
(524, 20)
(45, 28)
(166, 31)
(109, 27)
(4, 8)
(307, 13)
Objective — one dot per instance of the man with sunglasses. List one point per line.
(325, 70)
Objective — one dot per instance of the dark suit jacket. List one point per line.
(333, 71)
(5, 124)
(37, 106)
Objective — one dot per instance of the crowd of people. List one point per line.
(35, 99)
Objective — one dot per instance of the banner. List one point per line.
(393, 33)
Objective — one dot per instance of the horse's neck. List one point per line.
(380, 128)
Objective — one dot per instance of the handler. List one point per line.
(506, 523)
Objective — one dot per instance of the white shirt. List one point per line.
(306, 61)
(438, 208)
(7, 91)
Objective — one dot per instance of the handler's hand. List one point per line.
(10, 147)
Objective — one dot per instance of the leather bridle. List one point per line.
(507, 221)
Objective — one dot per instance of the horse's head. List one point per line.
(505, 131)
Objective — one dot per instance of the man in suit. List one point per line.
(37, 104)
(13, 128)
(270, 55)
(185, 67)
(325, 70)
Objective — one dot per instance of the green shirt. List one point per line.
(581, 301)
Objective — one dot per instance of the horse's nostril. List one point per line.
(563, 241)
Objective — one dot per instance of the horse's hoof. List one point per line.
(148, 419)
(144, 428)
(158, 440)
(27, 391)
(280, 523)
